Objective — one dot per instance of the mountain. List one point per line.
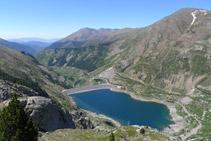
(144, 53)
(90, 37)
(169, 61)
(85, 34)
(36, 43)
(17, 46)
(20, 40)
(83, 43)
(40, 91)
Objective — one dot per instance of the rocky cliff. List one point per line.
(47, 114)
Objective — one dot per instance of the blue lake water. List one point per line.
(123, 108)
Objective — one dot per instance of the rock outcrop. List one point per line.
(82, 121)
(7, 89)
(47, 114)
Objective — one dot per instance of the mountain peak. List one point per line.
(85, 34)
(174, 25)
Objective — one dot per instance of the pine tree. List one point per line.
(15, 124)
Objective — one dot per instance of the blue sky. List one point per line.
(59, 18)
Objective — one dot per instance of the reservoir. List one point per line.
(123, 108)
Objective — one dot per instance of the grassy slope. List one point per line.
(87, 58)
(133, 133)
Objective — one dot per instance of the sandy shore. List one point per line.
(179, 122)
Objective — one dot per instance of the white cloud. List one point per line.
(10, 35)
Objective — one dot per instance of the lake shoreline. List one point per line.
(93, 114)
(178, 120)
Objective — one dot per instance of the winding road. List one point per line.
(194, 130)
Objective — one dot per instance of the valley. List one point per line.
(166, 64)
(152, 64)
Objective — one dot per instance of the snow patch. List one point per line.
(194, 16)
(204, 11)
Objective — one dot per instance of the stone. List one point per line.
(47, 114)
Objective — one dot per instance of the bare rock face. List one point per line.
(82, 121)
(47, 114)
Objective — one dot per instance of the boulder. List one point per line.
(47, 114)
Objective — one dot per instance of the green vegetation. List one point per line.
(29, 83)
(73, 77)
(16, 125)
(112, 137)
(86, 58)
(121, 133)
(140, 88)
(75, 135)
(200, 65)
(98, 81)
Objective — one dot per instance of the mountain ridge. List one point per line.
(20, 40)
(91, 37)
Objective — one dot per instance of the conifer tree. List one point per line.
(15, 124)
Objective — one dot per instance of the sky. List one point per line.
(59, 18)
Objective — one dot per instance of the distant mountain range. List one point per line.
(18, 46)
(37, 45)
(20, 40)
(28, 45)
